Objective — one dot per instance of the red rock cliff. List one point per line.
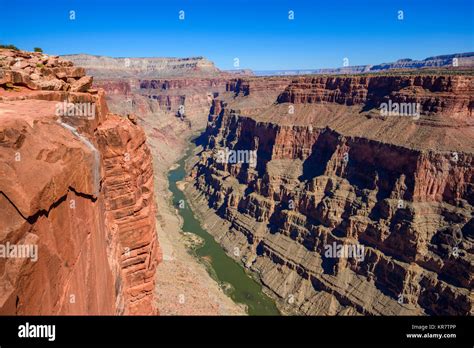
(76, 186)
(330, 172)
(444, 94)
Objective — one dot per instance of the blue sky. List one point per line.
(257, 32)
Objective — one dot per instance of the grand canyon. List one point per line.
(244, 173)
(331, 172)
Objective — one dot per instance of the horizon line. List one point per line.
(457, 54)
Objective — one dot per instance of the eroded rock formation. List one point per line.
(154, 103)
(450, 95)
(77, 184)
(109, 67)
(331, 170)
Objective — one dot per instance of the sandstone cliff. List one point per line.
(439, 94)
(171, 110)
(77, 184)
(334, 171)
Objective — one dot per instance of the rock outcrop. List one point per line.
(331, 171)
(76, 185)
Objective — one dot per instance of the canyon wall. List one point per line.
(332, 171)
(171, 110)
(192, 95)
(108, 67)
(76, 185)
(439, 94)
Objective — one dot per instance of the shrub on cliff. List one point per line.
(37, 49)
(12, 47)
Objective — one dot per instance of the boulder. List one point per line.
(82, 85)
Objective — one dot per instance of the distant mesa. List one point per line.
(103, 67)
(240, 72)
(462, 60)
(109, 67)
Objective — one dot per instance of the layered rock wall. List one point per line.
(77, 188)
(318, 182)
(192, 95)
(109, 67)
(442, 94)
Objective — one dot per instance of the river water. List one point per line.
(243, 288)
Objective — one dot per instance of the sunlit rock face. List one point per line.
(76, 188)
(333, 173)
(107, 67)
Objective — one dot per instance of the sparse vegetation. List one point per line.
(10, 87)
(38, 49)
(39, 65)
(11, 47)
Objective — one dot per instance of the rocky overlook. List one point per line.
(76, 184)
(331, 170)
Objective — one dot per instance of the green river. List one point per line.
(244, 289)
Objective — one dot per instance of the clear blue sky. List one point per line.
(258, 32)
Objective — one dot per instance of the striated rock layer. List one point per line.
(77, 186)
(171, 110)
(108, 67)
(450, 95)
(334, 172)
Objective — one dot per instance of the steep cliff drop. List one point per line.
(333, 173)
(330, 168)
(77, 209)
(170, 99)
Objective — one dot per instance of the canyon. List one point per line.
(93, 193)
(325, 150)
(184, 284)
(302, 128)
(330, 169)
